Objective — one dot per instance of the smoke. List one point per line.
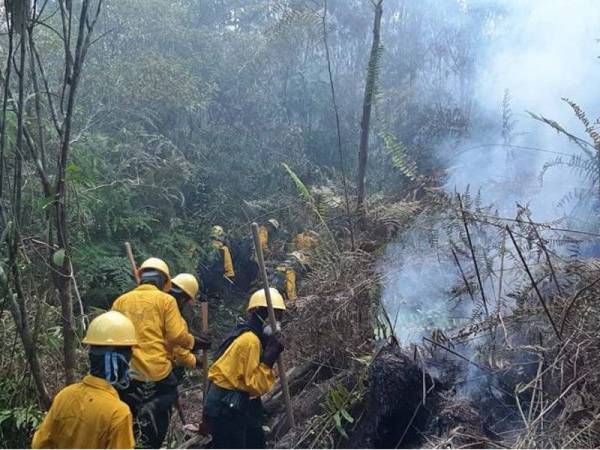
(539, 52)
(534, 54)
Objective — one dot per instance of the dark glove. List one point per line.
(272, 351)
(202, 341)
(179, 373)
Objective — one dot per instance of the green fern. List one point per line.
(317, 207)
(300, 186)
(373, 72)
(400, 158)
(321, 206)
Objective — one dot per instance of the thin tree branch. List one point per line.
(535, 286)
(464, 219)
(338, 128)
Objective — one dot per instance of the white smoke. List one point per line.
(539, 51)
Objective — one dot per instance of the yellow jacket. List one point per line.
(158, 324)
(290, 284)
(305, 243)
(240, 369)
(86, 415)
(182, 357)
(290, 281)
(227, 260)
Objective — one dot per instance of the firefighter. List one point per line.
(265, 231)
(287, 275)
(215, 266)
(89, 414)
(159, 326)
(306, 243)
(241, 374)
(184, 287)
(218, 241)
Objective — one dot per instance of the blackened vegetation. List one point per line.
(506, 379)
(394, 406)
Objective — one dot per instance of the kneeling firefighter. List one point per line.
(89, 414)
(159, 326)
(242, 372)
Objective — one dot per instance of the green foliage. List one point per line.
(336, 402)
(184, 116)
(24, 418)
(300, 186)
(58, 258)
(400, 158)
(17, 424)
(19, 413)
(373, 75)
(10, 129)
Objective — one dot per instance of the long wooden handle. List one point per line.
(129, 252)
(204, 311)
(179, 409)
(280, 364)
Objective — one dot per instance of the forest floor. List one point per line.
(525, 376)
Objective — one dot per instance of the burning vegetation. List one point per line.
(425, 174)
(513, 368)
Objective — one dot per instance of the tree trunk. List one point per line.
(17, 306)
(63, 287)
(17, 298)
(62, 280)
(338, 128)
(367, 104)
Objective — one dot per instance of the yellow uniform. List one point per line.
(158, 324)
(305, 243)
(86, 415)
(290, 281)
(240, 368)
(227, 260)
(182, 357)
(290, 284)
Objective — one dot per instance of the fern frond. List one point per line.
(323, 208)
(400, 159)
(373, 72)
(582, 116)
(581, 143)
(300, 186)
(575, 195)
(508, 123)
(585, 167)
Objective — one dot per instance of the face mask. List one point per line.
(153, 277)
(268, 330)
(116, 370)
(180, 296)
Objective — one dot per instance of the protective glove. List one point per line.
(272, 351)
(179, 373)
(202, 341)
